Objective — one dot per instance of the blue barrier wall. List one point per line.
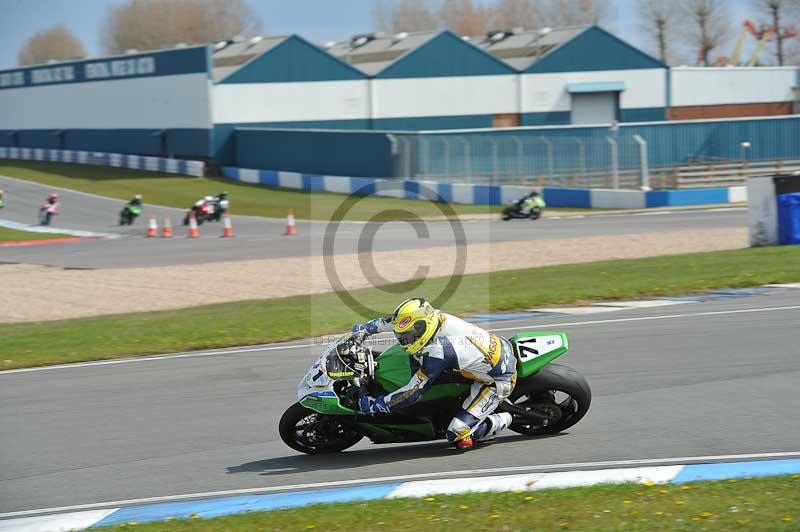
(315, 152)
(176, 142)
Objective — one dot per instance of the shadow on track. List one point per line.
(302, 463)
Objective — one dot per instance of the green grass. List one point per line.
(183, 191)
(747, 504)
(12, 235)
(253, 322)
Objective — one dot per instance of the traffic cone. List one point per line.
(166, 230)
(227, 231)
(193, 232)
(290, 227)
(152, 230)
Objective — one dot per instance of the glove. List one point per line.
(370, 405)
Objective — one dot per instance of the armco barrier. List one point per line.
(119, 160)
(490, 194)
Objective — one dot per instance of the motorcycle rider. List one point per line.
(136, 201)
(530, 202)
(437, 342)
(50, 206)
(2, 198)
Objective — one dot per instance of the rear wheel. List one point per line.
(555, 398)
(310, 432)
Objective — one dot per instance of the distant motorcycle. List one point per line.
(129, 214)
(203, 211)
(2, 199)
(46, 213)
(516, 211)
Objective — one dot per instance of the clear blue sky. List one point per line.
(317, 20)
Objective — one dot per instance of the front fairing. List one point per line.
(315, 390)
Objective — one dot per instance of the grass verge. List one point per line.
(12, 235)
(183, 191)
(263, 321)
(748, 504)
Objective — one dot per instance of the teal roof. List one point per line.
(591, 50)
(445, 55)
(284, 60)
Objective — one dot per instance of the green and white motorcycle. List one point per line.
(548, 398)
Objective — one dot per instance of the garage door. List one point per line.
(594, 107)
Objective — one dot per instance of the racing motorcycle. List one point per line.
(129, 214)
(203, 211)
(46, 213)
(547, 399)
(515, 211)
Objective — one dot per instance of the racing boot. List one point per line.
(493, 424)
(465, 444)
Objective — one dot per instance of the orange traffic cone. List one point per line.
(228, 229)
(193, 232)
(166, 230)
(290, 227)
(152, 230)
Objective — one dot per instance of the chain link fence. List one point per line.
(609, 161)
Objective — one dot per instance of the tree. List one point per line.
(509, 14)
(561, 13)
(404, 16)
(464, 18)
(708, 26)
(656, 20)
(781, 15)
(55, 43)
(153, 24)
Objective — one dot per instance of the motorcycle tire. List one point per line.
(297, 413)
(506, 215)
(535, 214)
(537, 392)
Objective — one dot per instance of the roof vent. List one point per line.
(545, 31)
(357, 41)
(255, 40)
(465, 37)
(498, 35)
(328, 45)
(220, 45)
(400, 36)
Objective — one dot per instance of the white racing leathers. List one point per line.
(476, 354)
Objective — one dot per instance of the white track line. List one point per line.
(303, 346)
(404, 478)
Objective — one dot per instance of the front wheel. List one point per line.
(310, 432)
(556, 397)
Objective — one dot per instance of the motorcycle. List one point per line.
(547, 399)
(46, 213)
(129, 214)
(206, 211)
(515, 211)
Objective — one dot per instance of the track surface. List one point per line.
(260, 238)
(667, 387)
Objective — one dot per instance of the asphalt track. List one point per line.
(699, 379)
(261, 238)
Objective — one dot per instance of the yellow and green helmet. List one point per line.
(415, 321)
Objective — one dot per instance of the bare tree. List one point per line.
(464, 18)
(515, 14)
(707, 27)
(55, 43)
(403, 16)
(152, 24)
(560, 13)
(782, 16)
(656, 20)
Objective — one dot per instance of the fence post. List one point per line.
(614, 162)
(494, 158)
(582, 157)
(467, 158)
(550, 164)
(520, 156)
(645, 168)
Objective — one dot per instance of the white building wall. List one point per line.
(177, 101)
(236, 103)
(731, 85)
(543, 93)
(444, 96)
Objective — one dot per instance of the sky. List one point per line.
(317, 20)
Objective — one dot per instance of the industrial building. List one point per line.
(191, 102)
